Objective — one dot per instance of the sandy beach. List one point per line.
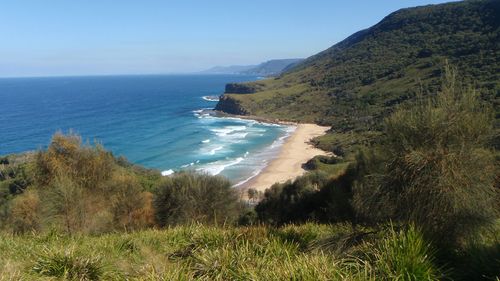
(293, 154)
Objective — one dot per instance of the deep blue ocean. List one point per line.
(154, 120)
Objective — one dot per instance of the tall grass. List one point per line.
(69, 266)
(198, 252)
(405, 255)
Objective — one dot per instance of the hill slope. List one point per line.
(232, 69)
(357, 82)
(272, 67)
(268, 68)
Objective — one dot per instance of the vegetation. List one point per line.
(356, 83)
(436, 169)
(311, 197)
(419, 204)
(78, 188)
(413, 193)
(433, 168)
(197, 252)
(188, 197)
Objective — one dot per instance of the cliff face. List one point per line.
(230, 105)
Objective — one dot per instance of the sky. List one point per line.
(104, 37)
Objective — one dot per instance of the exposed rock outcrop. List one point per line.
(229, 105)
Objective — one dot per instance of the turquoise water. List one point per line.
(161, 122)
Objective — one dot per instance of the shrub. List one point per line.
(436, 170)
(248, 218)
(83, 188)
(129, 203)
(480, 258)
(292, 201)
(189, 197)
(405, 255)
(25, 212)
(312, 197)
(65, 204)
(86, 165)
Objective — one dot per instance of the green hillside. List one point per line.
(357, 82)
(422, 204)
(272, 67)
(419, 199)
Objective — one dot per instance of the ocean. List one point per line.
(158, 121)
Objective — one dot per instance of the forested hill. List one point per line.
(356, 82)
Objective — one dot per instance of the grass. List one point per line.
(333, 170)
(404, 255)
(199, 252)
(68, 265)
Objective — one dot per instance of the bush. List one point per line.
(189, 197)
(65, 205)
(85, 165)
(131, 208)
(77, 188)
(292, 201)
(248, 218)
(312, 197)
(14, 179)
(405, 255)
(25, 212)
(480, 258)
(435, 169)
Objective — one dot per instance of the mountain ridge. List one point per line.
(268, 68)
(355, 83)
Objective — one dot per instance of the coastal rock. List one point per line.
(230, 105)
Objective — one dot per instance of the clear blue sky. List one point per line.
(80, 37)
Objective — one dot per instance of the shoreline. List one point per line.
(256, 118)
(295, 151)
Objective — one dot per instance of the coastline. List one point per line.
(222, 114)
(295, 152)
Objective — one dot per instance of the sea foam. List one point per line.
(210, 98)
(214, 150)
(217, 167)
(167, 172)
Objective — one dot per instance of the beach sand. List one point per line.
(295, 152)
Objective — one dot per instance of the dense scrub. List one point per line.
(434, 168)
(74, 187)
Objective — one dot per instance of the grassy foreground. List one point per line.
(196, 252)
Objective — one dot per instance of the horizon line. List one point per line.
(122, 74)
